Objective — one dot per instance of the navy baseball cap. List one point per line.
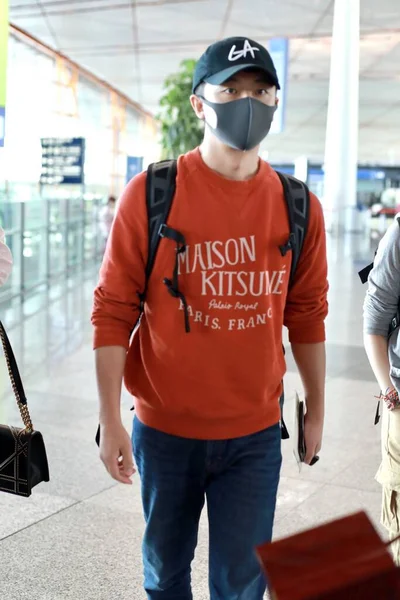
(224, 59)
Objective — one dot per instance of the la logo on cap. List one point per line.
(247, 49)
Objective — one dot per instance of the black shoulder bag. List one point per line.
(23, 459)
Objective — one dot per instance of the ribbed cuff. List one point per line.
(378, 330)
(106, 337)
(311, 334)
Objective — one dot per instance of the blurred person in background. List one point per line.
(5, 259)
(106, 218)
(6, 263)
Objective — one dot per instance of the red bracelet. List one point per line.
(391, 399)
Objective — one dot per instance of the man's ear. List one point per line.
(198, 106)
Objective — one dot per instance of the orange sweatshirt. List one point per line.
(223, 379)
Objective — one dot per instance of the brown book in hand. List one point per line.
(345, 560)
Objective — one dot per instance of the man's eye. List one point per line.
(263, 92)
(230, 91)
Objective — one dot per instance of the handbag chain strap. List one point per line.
(15, 379)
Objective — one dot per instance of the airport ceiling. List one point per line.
(135, 44)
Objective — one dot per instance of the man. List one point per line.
(206, 364)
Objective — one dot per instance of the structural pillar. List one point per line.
(341, 151)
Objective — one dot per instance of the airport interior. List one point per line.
(87, 92)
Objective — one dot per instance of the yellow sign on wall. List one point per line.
(3, 63)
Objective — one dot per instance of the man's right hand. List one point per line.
(116, 452)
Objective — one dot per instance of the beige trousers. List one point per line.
(389, 477)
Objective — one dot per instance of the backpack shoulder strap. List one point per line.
(364, 273)
(297, 196)
(160, 191)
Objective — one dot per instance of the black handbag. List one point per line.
(23, 459)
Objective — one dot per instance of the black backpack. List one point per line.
(160, 191)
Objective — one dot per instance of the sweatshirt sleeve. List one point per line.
(122, 274)
(307, 305)
(382, 299)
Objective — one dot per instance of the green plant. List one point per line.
(181, 130)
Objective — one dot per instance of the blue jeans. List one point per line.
(239, 478)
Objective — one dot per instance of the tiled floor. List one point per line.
(79, 536)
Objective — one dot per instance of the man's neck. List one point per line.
(230, 163)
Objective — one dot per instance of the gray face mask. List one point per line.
(242, 124)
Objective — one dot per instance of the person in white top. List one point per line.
(106, 217)
(6, 260)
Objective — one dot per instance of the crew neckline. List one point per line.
(195, 160)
